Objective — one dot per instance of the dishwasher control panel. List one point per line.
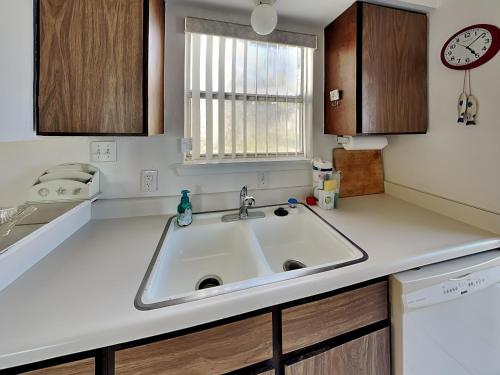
(452, 288)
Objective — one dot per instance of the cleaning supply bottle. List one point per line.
(184, 210)
(327, 197)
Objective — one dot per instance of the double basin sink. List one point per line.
(211, 257)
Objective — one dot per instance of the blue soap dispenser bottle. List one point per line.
(184, 210)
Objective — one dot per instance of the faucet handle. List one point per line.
(249, 201)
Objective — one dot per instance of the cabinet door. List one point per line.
(368, 355)
(321, 320)
(213, 351)
(394, 71)
(83, 367)
(340, 73)
(91, 67)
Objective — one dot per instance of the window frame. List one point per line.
(302, 150)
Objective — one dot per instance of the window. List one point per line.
(246, 99)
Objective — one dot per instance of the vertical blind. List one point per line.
(246, 98)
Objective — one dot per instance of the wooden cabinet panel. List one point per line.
(317, 321)
(156, 46)
(377, 56)
(83, 367)
(394, 71)
(212, 351)
(100, 67)
(90, 73)
(340, 73)
(368, 355)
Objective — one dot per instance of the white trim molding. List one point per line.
(475, 216)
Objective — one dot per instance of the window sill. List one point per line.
(197, 168)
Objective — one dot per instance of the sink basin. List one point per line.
(211, 257)
(205, 248)
(301, 237)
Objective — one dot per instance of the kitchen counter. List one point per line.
(81, 296)
(44, 213)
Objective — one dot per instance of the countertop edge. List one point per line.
(161, 321)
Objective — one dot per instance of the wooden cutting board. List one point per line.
(362, 172)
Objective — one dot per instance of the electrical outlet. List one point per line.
(262, 179)
(103, 151)
(149, 181)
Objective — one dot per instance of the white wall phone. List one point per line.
(71, 181)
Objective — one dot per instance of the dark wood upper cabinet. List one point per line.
(377, 57)
(100, 67)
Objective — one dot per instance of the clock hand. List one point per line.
(470, 44)
(468, 48)
(471, 50)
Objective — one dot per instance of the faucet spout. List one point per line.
(246, 201)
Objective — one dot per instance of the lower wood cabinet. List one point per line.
(367, 355)
(82, 367)
(213, 351)
(344, 332)
(313, 322)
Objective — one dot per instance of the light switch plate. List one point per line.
(262, 179)
(103, 151)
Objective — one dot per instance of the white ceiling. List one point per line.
(314, 12)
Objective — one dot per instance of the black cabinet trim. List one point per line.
(52, 362)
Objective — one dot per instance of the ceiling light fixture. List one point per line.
(264, 17)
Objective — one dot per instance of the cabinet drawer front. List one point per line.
(212, 351)
(83, 367)
(317, 321)
(368, 355)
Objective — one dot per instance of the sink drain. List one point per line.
(208, 282)
(291, 265)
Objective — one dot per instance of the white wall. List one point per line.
(457, 162)
(23, 161)
(16, 70)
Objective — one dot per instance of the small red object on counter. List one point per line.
(311, 201)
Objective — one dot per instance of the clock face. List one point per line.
(471, 47)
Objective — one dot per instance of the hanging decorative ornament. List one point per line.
(462, 103)
(471, 110)
(467, 49)
(467, 103)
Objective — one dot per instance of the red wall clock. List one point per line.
(471, 47)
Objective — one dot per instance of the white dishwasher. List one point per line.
(446, 317)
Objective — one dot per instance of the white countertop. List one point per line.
(81, 296)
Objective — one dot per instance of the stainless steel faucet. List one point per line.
(246, 201)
